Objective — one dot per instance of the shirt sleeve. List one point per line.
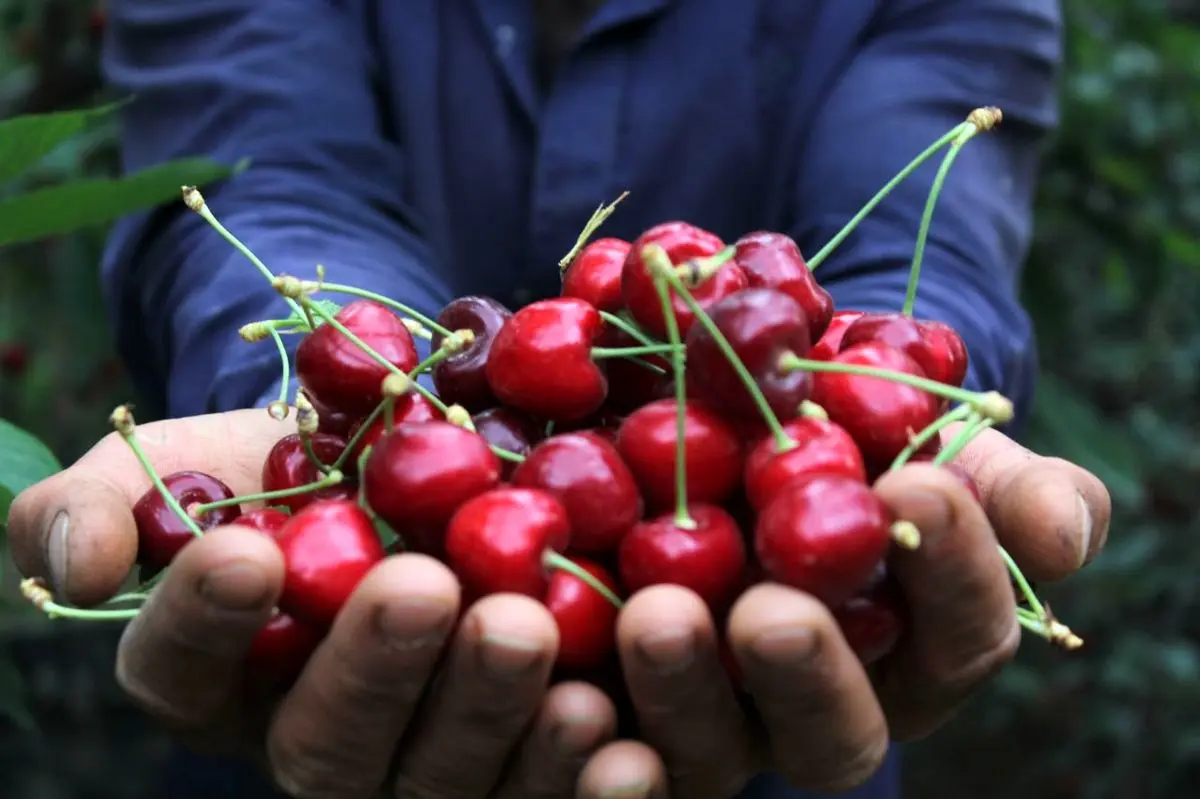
(289, 86)
(927, 64)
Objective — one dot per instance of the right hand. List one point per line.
(480, 723)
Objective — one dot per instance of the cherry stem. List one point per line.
(683, 518)
(627, 327)
(990, 404)
(553, 560)
(598, 218)
(697, 270)
(929, 433)
(313, 457)
(1027, 592)
(973, 428)
(1052, 630)
(122, 421)
(359, 433)
(34, 590)
(632, 352)
(389, 413)
(435, 357)
(656, 258)
(284, 361)
(407, 310)
(333, 478)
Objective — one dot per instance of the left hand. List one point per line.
(827, 723)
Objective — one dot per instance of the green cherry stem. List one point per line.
(631, 352)
(1027, 592)
(122, 421)
(1052, 630)
(683, 519)
(553, 560)
(35, 591)
(375, 413)
(333, 478)
(285, 364)
(629, 328)
(973, 428)
(407, 310)
(922, 438)
(598, 218)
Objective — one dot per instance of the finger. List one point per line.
(623, 770)
(494, 683)
(76, 528)
(962, 608)
(1051, 515)
(826, 731)
(685, 705)
(335, 732)
(181, 656)
(576, 719)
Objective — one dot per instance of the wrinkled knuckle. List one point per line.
(964, 673)
(845, 769)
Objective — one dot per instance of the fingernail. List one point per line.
(668, 651)
(236, 586)
(414, 623)
(634, 790)
(507, 657)
(56, 551)
(785, 646)
(1085, 529)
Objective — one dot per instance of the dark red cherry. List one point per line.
(872, 620)
(830, 343)
(587, 621)
(947, 354)
(412, 408)
(822, 447)
(773, 261)
(632, 382)
(333, 421)
(281, 649)
(595, 274)
(288, 466)
(510, 430)
(161, 533)
(460, 378)
(896, 331)
(265, 520)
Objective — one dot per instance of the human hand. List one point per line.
(481, 723)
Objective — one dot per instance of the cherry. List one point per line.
(541, 360)
(279, 651)
(646, 441)
(161, 533)
(328, 547)
(498, 541)
(333, 421)
(773, 261)
(895, 330)
(460, 378)
(822, 447)
(288, 466)
(682, 243)
(880, 414)
(947, 354)
(418, 475)
(338, 373)
(411, 408)
(823, 534)
(265, 520)
(760, 325)
(595, 274)
(830, 343)
(631, 384)
(872, 620)
(509, 430)
(585, 472)
(710, 559)
(587, 621)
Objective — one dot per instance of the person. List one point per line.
(434, 148)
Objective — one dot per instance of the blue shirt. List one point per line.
(405, 146)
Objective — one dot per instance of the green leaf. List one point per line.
(24, 460)
(81, 204)
(27, 139)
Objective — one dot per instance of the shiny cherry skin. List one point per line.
(830, 343)
(646, 442)
(880, 414)
(265, 520)
(872, 620)
(338, 373)
(161, 533)
(509, 430)
(824, 534)
(595, 274)
(279, 651)
(328, 547)
(630, 383)
(773, 261)
(460, 378)
(412, 408)
(585, 472)
(587, 621)
(682, 243)
(822, 447)
(497, 541)
(761, 325)
(541, 360)
(947, 353)
(333, 421)
(418, 475)
(288, 466)
(710, 559)
(895, 330)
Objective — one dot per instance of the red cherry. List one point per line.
(830, 343)
(824, 535)
(460, 378)
(498, 541)
(161, 533)
(288, 466)
(773, 261)
(338, 372)
(681, 242)
(280, 650)
(822, 447)
(334, 422)
(947, 354)
(328, 547)
(873, 619)
(588, 477)
(412, 408)
(630, 383)
(587, 621)
(895, 330)
(541, 360)
(710, 559)
(265, 520)
(509, 430)
(646, 442)
(595, 274)
(880, 414)
(418, 475)
(761, 325)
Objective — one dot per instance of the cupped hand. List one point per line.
(398, 700)
(823, 720)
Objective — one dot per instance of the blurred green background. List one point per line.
(1114, 285)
